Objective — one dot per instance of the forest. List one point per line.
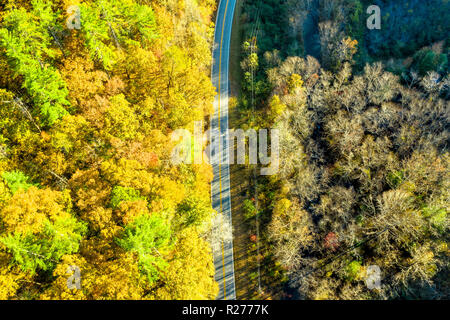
(364, 165)
(86, 184)
(91, 206)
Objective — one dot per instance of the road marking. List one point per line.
(220, 153)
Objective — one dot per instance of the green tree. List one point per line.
(112, 23)
(16, 180)
(43, 250)
(426, 60)
(150, 238)
(27, 41)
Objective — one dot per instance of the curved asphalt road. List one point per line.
(220, 187)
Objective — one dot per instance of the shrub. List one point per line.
(249, 209)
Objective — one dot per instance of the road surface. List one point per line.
(220, 187)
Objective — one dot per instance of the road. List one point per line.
(220, 187)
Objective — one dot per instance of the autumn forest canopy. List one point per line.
(85, 176)
(87, 109)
